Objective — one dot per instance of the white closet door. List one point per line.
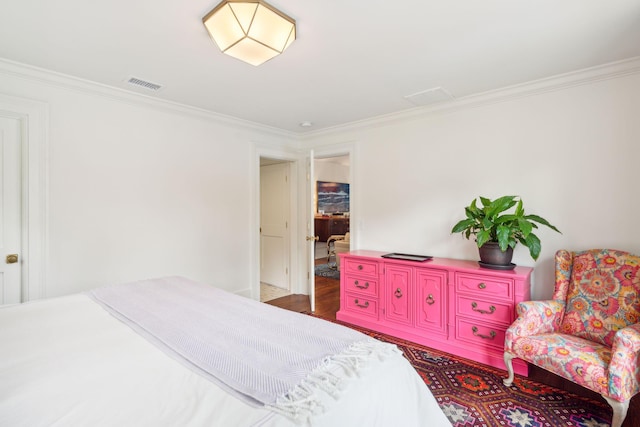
(10, 211)
(274, 225)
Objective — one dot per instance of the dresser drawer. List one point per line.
(476, 308)
(361, 285)
(361, 305)
(485, 286)
(360, 267)
(480, 334)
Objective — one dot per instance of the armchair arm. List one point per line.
(539, 317)
(624, 370)
(534, 318)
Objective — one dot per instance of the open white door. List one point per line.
(311, 232)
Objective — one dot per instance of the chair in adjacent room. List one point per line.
(343, 245)
(331, 246)
(589, 333)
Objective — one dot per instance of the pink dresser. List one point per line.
(447, 304)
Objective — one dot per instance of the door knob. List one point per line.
(316, 238)
(12, 259)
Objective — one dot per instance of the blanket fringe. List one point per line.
(303, 402)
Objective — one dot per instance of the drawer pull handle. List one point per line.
(360, 267)
(365, 305)
(474, 307)
(358, 285)
(482, 286)
(430, 300)
(398, 293)
(491, 335)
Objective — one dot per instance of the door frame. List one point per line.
(299, 188)
(346, 149)
(33, 117)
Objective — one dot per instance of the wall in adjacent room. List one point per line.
(571, 153)
(140, 189)
(332, 169)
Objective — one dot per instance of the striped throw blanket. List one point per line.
(262, 354)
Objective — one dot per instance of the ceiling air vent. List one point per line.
(430, 96)
(144, 84)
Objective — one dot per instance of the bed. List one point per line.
(173, 352)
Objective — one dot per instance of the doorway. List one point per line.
(332, 178)
(302, 212)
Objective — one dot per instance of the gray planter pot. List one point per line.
(491, 255)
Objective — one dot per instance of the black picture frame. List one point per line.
(332, 197)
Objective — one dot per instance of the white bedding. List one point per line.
(67, 362)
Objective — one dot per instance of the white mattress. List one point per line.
(67, 362)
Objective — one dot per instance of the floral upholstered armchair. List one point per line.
(589, 333)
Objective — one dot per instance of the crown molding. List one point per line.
(549, 84)
(558, 82)
(65, 81)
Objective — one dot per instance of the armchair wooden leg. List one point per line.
(507, 361)
(619, 411)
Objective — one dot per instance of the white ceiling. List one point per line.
(353, 59)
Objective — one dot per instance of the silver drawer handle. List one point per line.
(491, 335)
(474, 307)
(365, 305)
(430, 300)
(366, 285)
(360, 267)
(398, 293)
(482, 286)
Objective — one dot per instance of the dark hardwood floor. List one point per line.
(327, 299)
(328, 303)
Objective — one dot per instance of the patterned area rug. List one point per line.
(327, 270)
(472, 394)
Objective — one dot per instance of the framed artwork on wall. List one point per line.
(332, 197)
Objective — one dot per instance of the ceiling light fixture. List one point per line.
(250, 30)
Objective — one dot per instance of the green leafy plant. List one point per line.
(492, 223)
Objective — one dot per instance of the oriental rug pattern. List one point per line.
(472, 394)
(327, 270)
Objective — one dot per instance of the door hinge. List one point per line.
(286, 270)
(286, 224)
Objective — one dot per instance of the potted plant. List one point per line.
(498, 231)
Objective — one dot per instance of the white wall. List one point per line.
(571, 154)
(139, 190)
(332, 169)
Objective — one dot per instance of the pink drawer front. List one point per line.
(360, 267)
(480, 334)
(361, 305)
(476, 308)
(485, 286)
(361, 285)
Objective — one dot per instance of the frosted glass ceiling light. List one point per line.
(250, 30)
